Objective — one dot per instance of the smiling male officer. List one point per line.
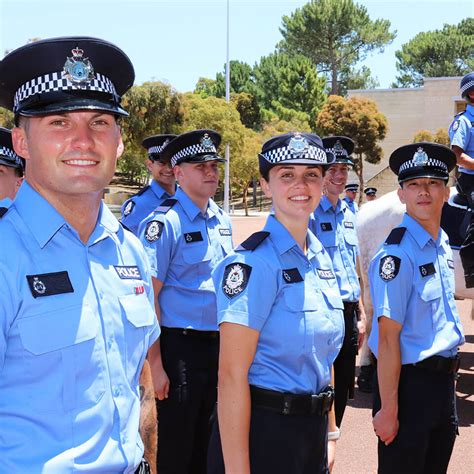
(11, 170)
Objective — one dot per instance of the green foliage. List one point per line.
(423, 136)
(441, 136)
(249, 110)
(6, 118)
(357, 79)
(241, 79)
(440, 53)
(205, 87)
(334, 35)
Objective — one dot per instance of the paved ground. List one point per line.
(357, 448)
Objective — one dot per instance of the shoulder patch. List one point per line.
(142, 190)
(128, 208)
(166, 205)
(235, 279)
(153, 230)
(389, 267)
(3, 211)
(253, 241)
(455, 125)
(395, 236)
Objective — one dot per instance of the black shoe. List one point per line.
(365, 378)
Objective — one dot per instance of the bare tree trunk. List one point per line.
(244, 199)
(360, 174)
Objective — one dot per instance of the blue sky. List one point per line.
(178, 41)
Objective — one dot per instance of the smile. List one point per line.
(80, 162)
(299, 198)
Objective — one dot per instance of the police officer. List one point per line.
(370, 194)
(11, 170)
(461, 133)
(416, 330)
(280, 315)
(163, 185)
(185, 238)
(76, 316)
(351, 193)
(334, 225)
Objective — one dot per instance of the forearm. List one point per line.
(148, 420)
(388, 372)
(463, 159)
(234, 421)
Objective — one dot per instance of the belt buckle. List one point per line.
(316, 405)
(286, 404)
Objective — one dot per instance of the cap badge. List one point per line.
(78, 69)
(298, 144)
(338, 148)
(207, 143)
(420, 157)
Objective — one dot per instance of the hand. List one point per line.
(385, 426)
(161, 382)
(361, 328)
(331, 454)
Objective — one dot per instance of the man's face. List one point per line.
(69, 154)
(198, 180)
(335, 179)
(162, 173)
(371, 197)
(9, 182)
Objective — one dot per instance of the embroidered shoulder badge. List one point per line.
(153, 231)
(455, 125)
(235, 279)
(389, 267)
(128, 208)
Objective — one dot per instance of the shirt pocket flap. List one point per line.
(350, 237)
(333, 298)
(297, 299)
(328, 239)
(137, 309)
(57, 329)
(429, 290)
(198, 253)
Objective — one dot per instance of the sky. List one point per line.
(179, 41)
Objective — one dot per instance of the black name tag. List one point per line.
(326, 226)
(325, 274)
(48, 284)
(193, 237)
(225, 232)
(427, 269)
(348, 224)
(292, 275)
(131, 272)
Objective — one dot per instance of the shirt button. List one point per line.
(124, 439)
(110, 342)
(116, 391)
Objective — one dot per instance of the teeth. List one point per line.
(299, 198)
(80, 162)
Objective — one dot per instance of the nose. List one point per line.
(82, 138)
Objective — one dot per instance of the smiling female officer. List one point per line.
(281, 323)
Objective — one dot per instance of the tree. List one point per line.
(248, 108)
(205, 87)
(241, 79)
(423, 136)
(441, 136)
(359, 119)
(334, 34)
(357, 79)
(440, 53)
(6, 118)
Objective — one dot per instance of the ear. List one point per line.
(265, 187)
(120, 147)
(401, 195)
(20, 142)
(178, 172)
(149, 165)
(18, 183)
(447, 193)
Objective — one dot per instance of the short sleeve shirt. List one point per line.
(461, 133)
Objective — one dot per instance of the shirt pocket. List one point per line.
(139, 319)
(63, 359)
(430, 293)
(350, 237)
(327, 238)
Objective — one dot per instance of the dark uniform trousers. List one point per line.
(465, 185)
(428, 423)
(279, 444)
(190, 359)
(344, 365)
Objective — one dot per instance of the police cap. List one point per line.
(293, 149)
(155, 145)
(65, 74)
(467, 84)
(352, 187)
(8, 157)
(422, 160)
(341, 148)
(196, 146)
(370, 191)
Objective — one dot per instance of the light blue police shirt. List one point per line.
(184, 248)
(293, 300)
(138, 207)
(412, 283)
(336, 230)
(76, 322)
(352, 205)
(461, 133)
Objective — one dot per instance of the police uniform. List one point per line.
(336, 230)
(139, 206)
(351, 204)
(292, 299)
(412, 283)
(76, 319)
(184, 246)
(461, 134)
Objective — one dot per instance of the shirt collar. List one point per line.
(187, 204)
(326, 205)
(158, 190)
(6, 202)
(419, 234)
(470, 109)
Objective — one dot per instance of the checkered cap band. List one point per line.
(155, 149)
(277, 155)
(190, 151)
(337, 151)
(11, 155)
(431, 163)
(57, 81)
(467, 86)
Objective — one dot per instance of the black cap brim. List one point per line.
(423, 173)
(201, 159)
(10, 164)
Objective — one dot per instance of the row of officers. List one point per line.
(95, 322)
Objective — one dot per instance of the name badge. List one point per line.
(325, 274)
(348, 224)
(427, 269)
(193, 237)
(292, 275)
(326, 226)
(49, 284)
(225, 232)
(126, 272)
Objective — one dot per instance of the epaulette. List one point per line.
(253, 241)
(3, 211)
(165, 205)
(141, 191)
(124, 226)
(396, 236)
(460, 113)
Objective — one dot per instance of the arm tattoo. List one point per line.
(148, 420)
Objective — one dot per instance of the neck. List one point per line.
(169, 188)
(333, 199)
(201, 202)
(431, 226)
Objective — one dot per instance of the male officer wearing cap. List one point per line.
(416, 330)
(370, 194)
(334, 225)
(351, 192)
(185, 238)
(163, 185)
(76, 315)
(11, 170)
(461, 133)
(280, 316)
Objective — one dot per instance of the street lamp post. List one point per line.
(227, 98)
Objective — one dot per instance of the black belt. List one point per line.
(191, 332)
(440, 364)
(292, 404)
